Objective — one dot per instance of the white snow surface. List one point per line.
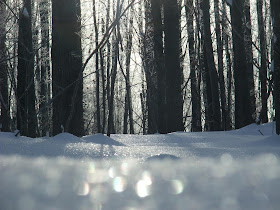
(211, 170)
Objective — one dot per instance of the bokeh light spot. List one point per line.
(119, 184)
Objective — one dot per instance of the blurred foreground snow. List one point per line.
(214, 170)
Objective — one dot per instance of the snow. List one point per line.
(101, 139)
(211, 170)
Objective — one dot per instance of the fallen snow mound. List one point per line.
(101, 139)
(66, 138)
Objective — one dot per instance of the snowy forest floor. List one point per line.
(212, 170)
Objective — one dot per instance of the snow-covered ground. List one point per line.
(212, 170)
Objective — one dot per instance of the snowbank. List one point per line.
(211, 170)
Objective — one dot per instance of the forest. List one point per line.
(138, 66)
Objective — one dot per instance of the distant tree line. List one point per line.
(127, 66)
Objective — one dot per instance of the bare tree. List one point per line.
(195, 94)
(263, 66)
(243, 111)
(174, 74)
(213, 76)
(4, 102)
(66, 67)
(26, 113)
(275, 7)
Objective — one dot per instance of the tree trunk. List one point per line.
(229, 67)
(243, 112)
(102, 66)
(249, 56)
(111, 128)
(174, 74)
(45, 66)
(263, 67)
(156, 85)
(127, 79)
(26, 113)
(66, 67)
(4, 101)
(275, 7)
(220, 64)
(195, 94)
(208, 50)
(97, 70)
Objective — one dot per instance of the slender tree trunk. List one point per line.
(263, 67)
(220, 63)
(108, 72)
(125, 115)
(195, 94)
(229, 67)
(111, 128)
(127, 79)
(4, 101)
(208, 50)
(156, 86)
(249, 56)
(66, 67)
(243, 112)
(26, 113)
(97, 70)
(174, 74)
(275, 7)
(102, 66)
(45, 66)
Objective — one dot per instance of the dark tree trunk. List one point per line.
(275, 7)
(174, 74)
(111, 128)
(156, 96)
(108, 72)
(4, 101)
(229, 68)
(128, 112)
(263, 67)
(125, 116)
(195, 94)
(45, 66)
(208, 53)
(220, 63)
(207, 89)
(102, 66)
(127, 79)
(97, 70)
(26, 113)
(249, 56)
(66, 67)
(243, 112)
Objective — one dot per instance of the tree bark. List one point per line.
(97, 91)
(26, 113)
(263, 67)
(208, 50)
(45, 66)
(220, 64)
(243, 111)
(66, 67)
(174, 74)
(275, 7)
(249, 57)
(4, 101)
(157, 82)
(111, 128)
(195, 94)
